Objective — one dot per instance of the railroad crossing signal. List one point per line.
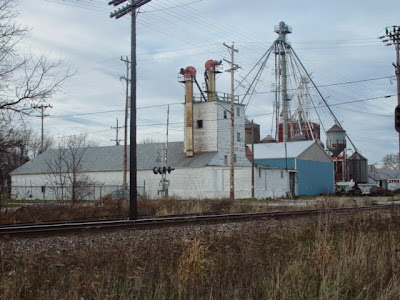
(162, 170)
(397, 118)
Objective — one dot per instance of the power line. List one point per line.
(255, 93)
(172, 7)
(111, 111)
(248, 116)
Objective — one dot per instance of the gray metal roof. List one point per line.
(110, 158)
(381, 174)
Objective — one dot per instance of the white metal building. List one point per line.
(203, 174)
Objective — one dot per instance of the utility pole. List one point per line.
(392, 37)
(117, 128)
(232, 70)
(131, 8)
(165, 183)
(252, 159)
(126, 78)
(42, 116)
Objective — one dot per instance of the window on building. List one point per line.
(281, 174)
(238, 136)
(225, 159)
(238, 111)
(199, 123)
(234, 157)
(259, 172)
(225, 114)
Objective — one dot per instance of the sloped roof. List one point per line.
(356, 156)
(268, 139)
(380, 174)
(336, 128)
(277, 150)
(110, 158)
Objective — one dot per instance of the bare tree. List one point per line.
(391, 161)
(65, 168)
(27, 81)
(56, 171)
(35, 145)
(15, 149)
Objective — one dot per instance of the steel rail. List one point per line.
(52, 228)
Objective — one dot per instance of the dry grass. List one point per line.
(112, 207)
(117, 207)
(356, 260)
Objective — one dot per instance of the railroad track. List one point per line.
(81, 226)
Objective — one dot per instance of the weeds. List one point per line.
(324, 260)
(110, 207)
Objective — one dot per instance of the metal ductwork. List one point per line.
(189, 75)
(209, 76)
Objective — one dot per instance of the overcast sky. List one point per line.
(337, 42)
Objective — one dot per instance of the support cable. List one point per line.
(256, 78)
(268, 52)
(323, 99)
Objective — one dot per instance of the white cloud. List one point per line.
(337, 42)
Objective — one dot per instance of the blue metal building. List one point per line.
(314, 167)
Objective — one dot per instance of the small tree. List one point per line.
(149, 140)
(391, 161)
(16, 148)
(65, 168)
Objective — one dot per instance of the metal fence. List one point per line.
(64, 193)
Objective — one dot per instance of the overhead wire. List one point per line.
(246, 60)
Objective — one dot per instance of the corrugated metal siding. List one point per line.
(358, 170)
(315, 177)
(277, 163)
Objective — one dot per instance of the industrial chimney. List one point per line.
(209, 76)
(189, 75)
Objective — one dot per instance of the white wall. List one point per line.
(205, 138)
(224, 135)
(271, 183)
(215, 136)
(200, 183)
(29, 186)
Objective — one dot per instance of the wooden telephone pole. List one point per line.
(127, 82)
(130, 8)
(42, 108)
(232, 70)
(117, 128)
(392, 37)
